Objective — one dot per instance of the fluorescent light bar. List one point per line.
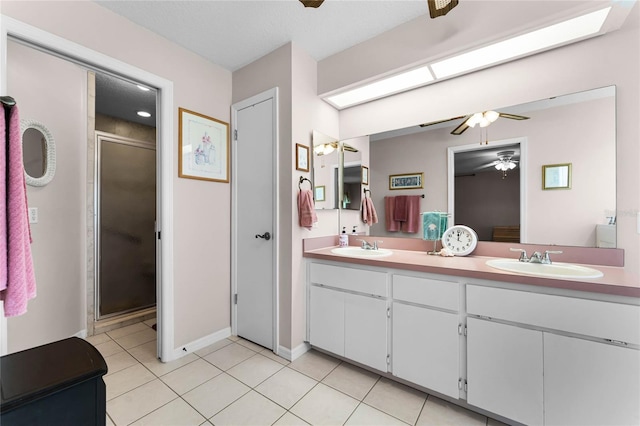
(141, 87)
(388, 86)
(144, 114)
(543, 38)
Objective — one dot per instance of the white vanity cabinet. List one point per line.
(590, 383)
(504, 370)
(348, 313)
(425, 347)
(573, 361)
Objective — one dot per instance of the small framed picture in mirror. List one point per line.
(556, 176)
(302, 157)
(365, 175)
(319, 193)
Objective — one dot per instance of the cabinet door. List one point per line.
(590, 383)
(366, 330)
(326, 317)
(425, 348)
(504, 370)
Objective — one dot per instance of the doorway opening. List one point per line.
(487, 190)
(125, 202)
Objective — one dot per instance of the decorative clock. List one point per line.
(460, 240)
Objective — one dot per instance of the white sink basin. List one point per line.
(359, 252)
(554, 270)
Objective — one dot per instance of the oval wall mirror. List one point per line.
(38, 153)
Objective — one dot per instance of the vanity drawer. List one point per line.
(425, 291)
(595, 318)
(360, 280)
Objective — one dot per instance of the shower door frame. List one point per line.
(97, 191)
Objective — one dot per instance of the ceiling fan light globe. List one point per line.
(491, 116)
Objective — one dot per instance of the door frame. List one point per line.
(91, 59)
(261, 97)
(452, 150)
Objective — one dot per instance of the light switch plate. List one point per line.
(33, 215)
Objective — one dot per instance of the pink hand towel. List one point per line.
(3, 203)
(369, 214)
(389, 219)
(401, 212)
(306, 210)
(413, 222)
(21, 282)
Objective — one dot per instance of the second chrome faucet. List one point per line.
(536, 257)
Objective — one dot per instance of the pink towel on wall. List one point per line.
(369, 214)
(3, 204)
(413, 222)
(21, 282)
(389, 218)
(401, 211)
(306, 210)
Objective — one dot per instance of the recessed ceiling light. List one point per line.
(388, 86)
(554, 35)
(144, 89)
(144, 114)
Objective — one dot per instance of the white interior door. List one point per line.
(254, 225)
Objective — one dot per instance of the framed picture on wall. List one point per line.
(406, 181)
(556, 176)
(302, 157)
(319, 195)
(203, 147)
(365, 175)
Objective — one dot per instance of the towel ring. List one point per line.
(302, 179)
(365, 190)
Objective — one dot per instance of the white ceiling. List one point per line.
(234, 33)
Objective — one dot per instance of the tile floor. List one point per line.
(235, 382)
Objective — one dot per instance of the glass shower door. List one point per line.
(126, 255)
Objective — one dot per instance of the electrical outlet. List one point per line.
(33, 215)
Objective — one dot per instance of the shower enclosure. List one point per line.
(125, 225)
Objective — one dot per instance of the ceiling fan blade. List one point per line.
(513, 116)
(433, 123)
(440, 7)
(462, 127)
(311, 3)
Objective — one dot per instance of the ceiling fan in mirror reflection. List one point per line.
(483, 119)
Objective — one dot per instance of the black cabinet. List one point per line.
(55, 384)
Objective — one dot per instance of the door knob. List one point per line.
(266, 236)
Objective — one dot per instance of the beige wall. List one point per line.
(201, 294)
(47, 89)
(611, 59)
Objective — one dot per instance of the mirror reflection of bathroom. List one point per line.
(126, 200)
(577, 128)
(34, 152)
(326, 165)
(351, 177)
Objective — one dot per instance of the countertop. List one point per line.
(615, 280)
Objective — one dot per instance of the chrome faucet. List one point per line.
(536, 257)
(367, 246)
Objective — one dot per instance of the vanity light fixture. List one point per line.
(144, 114)
(324, 149)
(525, 44)
(388, 86)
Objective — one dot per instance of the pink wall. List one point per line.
(201, 294)
(47, 89)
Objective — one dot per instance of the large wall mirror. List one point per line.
(38, 153)
(576, 129)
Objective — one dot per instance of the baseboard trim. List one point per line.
(199, 344)
(81, 334)
(292, 355)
